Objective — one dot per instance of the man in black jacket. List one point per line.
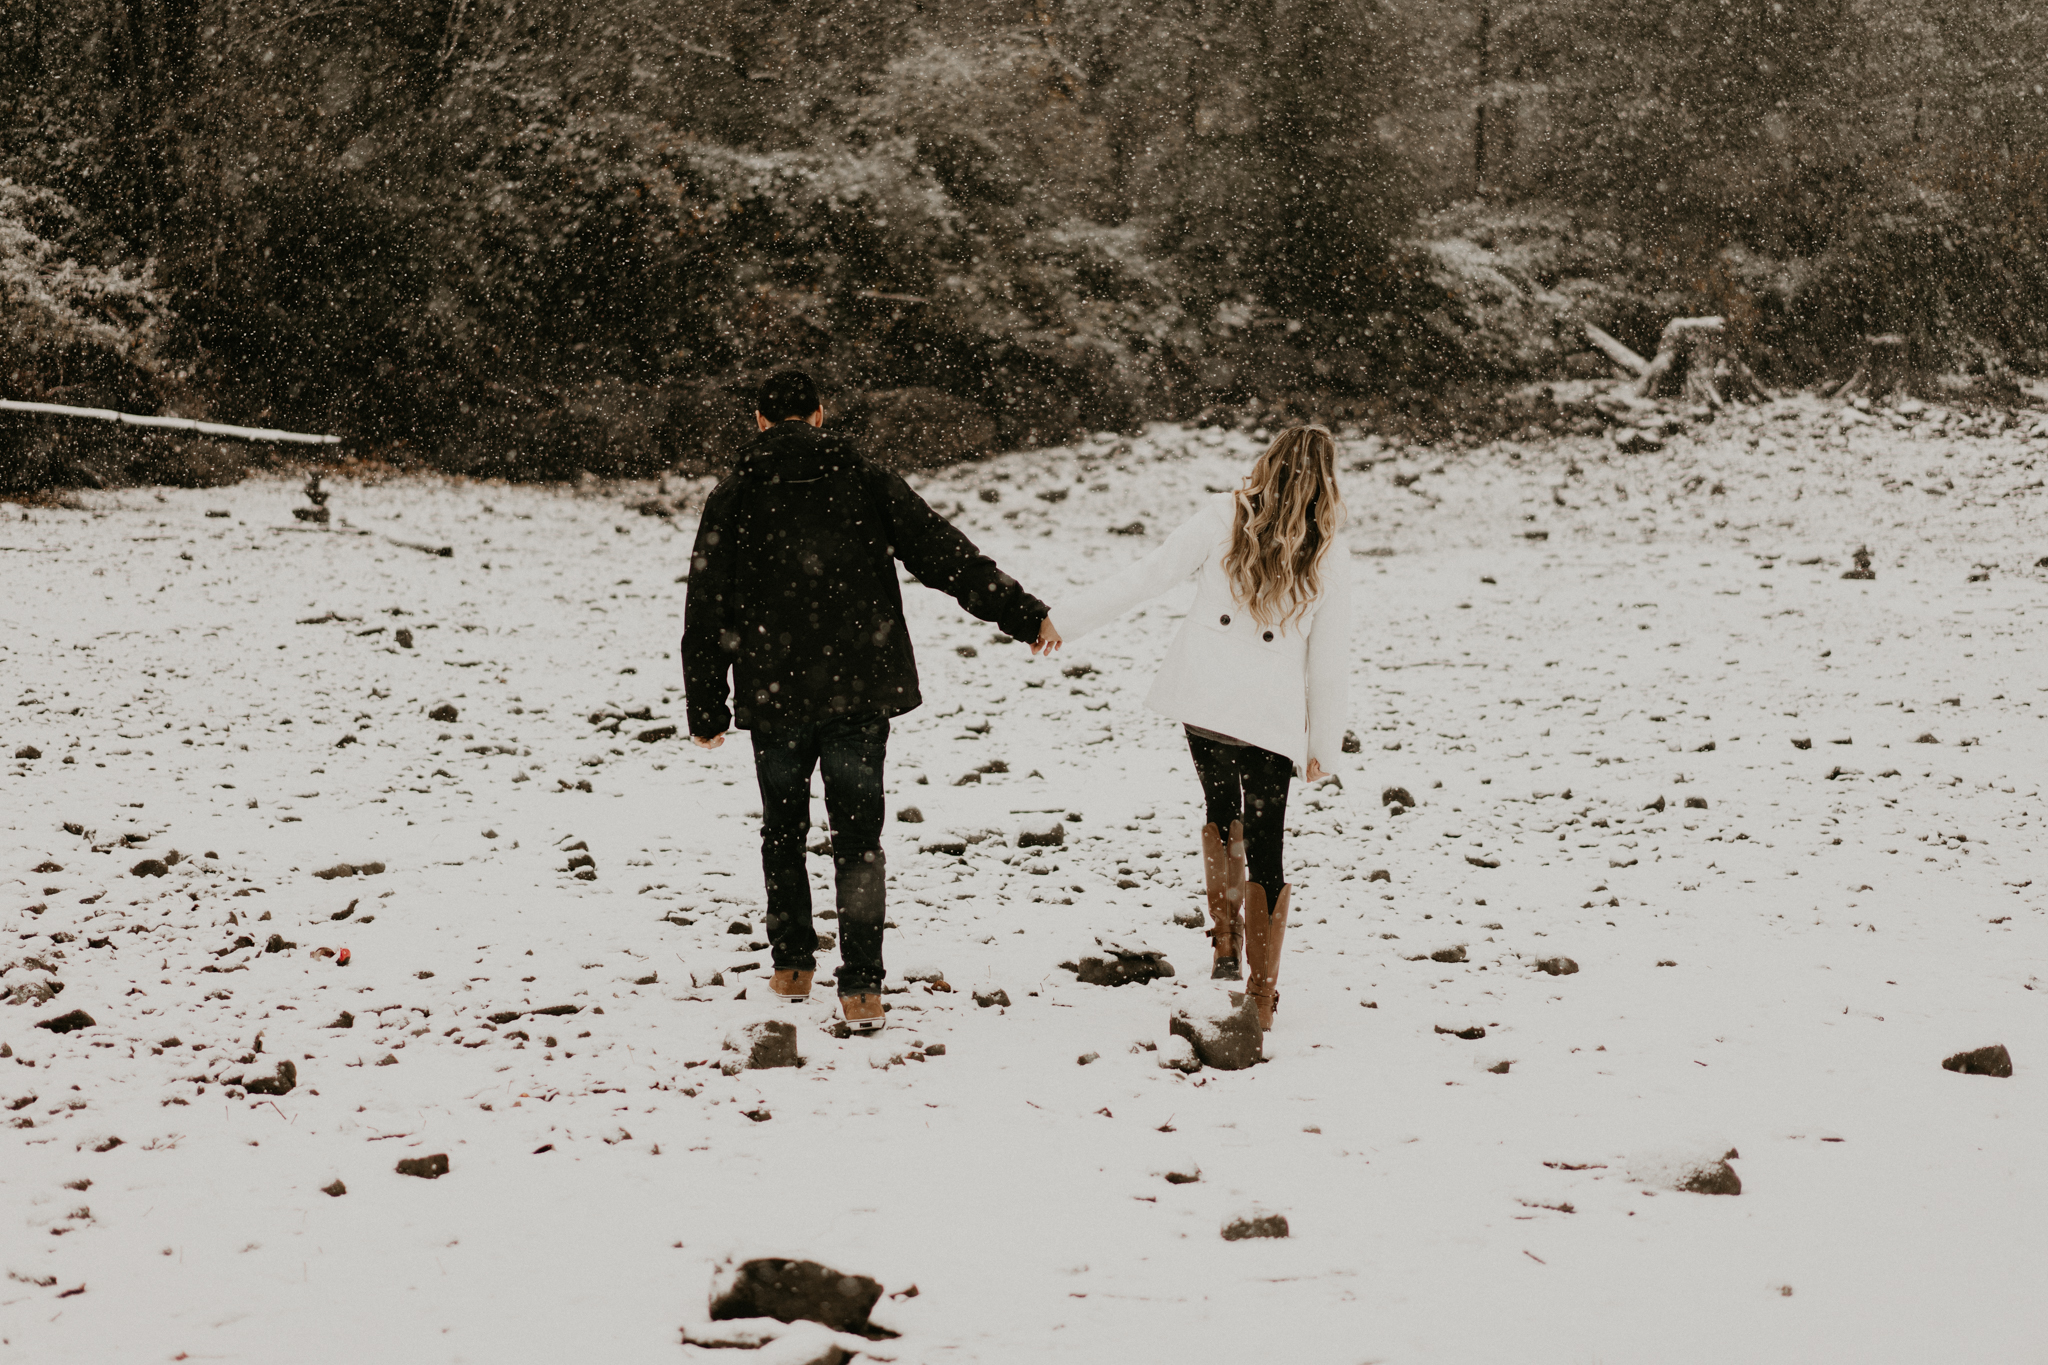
(793, 590)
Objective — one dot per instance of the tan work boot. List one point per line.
(864, 1012)
(1278, 934)
(790, 984)
(1226, 897)
(1264, 933)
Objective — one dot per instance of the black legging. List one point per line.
(1243, 782)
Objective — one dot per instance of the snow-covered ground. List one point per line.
(1780, 972)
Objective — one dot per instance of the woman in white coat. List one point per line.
(1257, 674)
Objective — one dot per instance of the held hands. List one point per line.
(711, 743)
(1315, 770)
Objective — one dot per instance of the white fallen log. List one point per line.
(130, 419)
(1624, 359)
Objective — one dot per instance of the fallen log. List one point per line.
(1628, 362)
(130, 419)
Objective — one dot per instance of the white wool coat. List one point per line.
(1283, 688)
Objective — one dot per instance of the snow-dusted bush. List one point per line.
(85, 335)
(69, 329)
(1520, 281)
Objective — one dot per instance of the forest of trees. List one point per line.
(531, 237)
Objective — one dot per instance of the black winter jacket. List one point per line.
(793, 587)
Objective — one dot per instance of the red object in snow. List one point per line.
(341, 958)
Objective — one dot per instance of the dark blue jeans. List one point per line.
(849, 752)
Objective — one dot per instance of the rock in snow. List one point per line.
(281, 1083)
(1685, 1172)
(328, 874)
(1120, 964)
(1713, 1177)
(765, 1043)
(1224, 1032)
(1983, 1061)
(792, 1290)
(1042, 834)
(1255, 1223)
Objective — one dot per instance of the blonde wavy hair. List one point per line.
(1287, 515)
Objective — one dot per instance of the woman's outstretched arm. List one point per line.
(1183, 554)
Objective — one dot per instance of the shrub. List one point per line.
(78, 334)
(70, 332)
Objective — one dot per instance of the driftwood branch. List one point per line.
(169, 423)
(1628, 362)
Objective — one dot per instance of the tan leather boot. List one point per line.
(1237, 870)
(864, 1012)
(790, 984)
(1226, 919)
(1277, 933)
(1258, 952)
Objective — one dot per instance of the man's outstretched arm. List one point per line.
(935, 550)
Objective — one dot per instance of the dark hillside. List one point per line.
(536, 237)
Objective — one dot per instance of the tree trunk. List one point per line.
(1692, 354)
(1485, 44)
(152, 46)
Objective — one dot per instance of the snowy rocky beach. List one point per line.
(1670, 859)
